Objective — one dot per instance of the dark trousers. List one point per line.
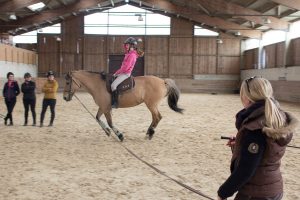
(29, 103)
(46, 103)
(10, 104)
(240, 196)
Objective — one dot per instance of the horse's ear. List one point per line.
(68, 75)
(103, 75)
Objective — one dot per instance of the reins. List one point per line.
(149, 165)
(293, 146)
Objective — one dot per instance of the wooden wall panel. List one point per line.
(72, 32)
(47, 43)
(181, 27)
(181, 66)
(231, 47)
(181, 46)
(51, 63)
(205, 46)
(250, 59)
(49, 56)
(287, 90)
(156, 57)
(94, 45)
(229, 65)
(294, 53)
(157, 45)
(270, 52)
(115, 44)
(95, 56)
(280, 53)
(274, 55)
(205, 65)
(95, 62)
(2, 52)
(156, 65)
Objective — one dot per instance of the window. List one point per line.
(199, 31)
(31, 37)
(127, 20)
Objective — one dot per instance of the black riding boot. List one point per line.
(114, 99)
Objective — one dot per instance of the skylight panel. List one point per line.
(36, 6)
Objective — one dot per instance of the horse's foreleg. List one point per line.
(156, 117)
(101, 123)
(115, 130)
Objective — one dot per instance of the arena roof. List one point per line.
(247, 18)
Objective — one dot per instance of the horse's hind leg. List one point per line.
(101, 123)
(110, 124)
(156, 117)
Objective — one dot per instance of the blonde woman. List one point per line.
(264, 130)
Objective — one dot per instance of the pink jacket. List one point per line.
(128, 63)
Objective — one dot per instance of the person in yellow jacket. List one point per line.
(50, 90)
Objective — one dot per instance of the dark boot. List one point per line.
(25, 123)
(11, 121)
(5, 120)
(114, 99)
(34, 122)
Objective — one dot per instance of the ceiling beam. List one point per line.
(294, 4)
(51, 14)
(225, 8)
(193, 14)
(14, 5)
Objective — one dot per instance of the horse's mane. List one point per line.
(102, 74)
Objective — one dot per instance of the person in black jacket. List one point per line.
(10, 92)
(29, 99)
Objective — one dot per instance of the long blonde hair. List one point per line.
(256, 89)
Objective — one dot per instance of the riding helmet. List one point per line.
(131, 41)
(50, 73)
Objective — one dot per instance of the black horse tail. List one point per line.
(173, 94)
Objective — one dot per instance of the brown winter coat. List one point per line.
(267, 180)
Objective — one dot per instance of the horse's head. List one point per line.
(70, 87)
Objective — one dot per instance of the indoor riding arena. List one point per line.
(210, 49)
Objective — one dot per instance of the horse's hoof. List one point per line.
(150, 136)
(107, 131)
(150, 133)
(121, 137)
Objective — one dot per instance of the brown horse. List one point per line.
(148, 89)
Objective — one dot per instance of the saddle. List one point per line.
(124, 87)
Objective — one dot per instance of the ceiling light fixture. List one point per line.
(12, 16)
(140, 17)
(219, 41)
(266, 21)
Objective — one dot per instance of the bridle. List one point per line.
(69, 82)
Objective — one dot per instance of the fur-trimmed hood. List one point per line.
(283, 135)
(256, 120)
